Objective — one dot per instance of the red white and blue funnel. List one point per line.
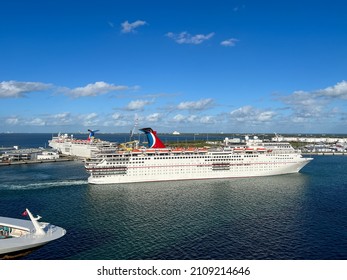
(153, 139)
(91, 134)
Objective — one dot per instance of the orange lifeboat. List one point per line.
(177, 150)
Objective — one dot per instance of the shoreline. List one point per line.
(324, 154)
(21, 162)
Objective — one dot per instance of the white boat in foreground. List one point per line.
(18, 236)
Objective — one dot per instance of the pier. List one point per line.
(34, 161)
(15, 156)
(325, 153)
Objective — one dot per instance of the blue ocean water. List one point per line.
(297, 216)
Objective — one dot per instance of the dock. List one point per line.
(35, 161)
(324, 154)
(15, 156)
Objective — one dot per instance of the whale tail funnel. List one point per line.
(153, 139)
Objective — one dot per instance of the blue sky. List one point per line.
(192, 66)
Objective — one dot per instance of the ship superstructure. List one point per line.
(160, 163)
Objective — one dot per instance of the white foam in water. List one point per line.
(42, 185)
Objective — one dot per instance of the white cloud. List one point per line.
(116, 116)
(120, 120)
(192, 118)
(186, 38)
(61, 115)
(60, 118)
(121, 123)
(12, 121)
(207, 120)
(317, 106)
(242, 113)
(252, 115)
(90, 116)
(128, 27)
(179, 118)
(54, 119)
(199, 105)
(265, 116)
(300, 98)
(137, 105)
(305, 105)
(337, 91)
(153, 117)
(314, 98)
(89, 119)
(37, 122)
(117, 120)
(9, 89)
(229, 42)
(94, 89)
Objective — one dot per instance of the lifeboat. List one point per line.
(150, 151)
(162, 151)
(177, 150)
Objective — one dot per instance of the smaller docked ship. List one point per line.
(19, 237)
(81, 148)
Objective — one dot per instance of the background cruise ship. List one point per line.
(68, 145)
(159, 163)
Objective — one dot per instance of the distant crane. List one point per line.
(132, 132)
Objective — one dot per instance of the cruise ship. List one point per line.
(160, 163)
(70, 146)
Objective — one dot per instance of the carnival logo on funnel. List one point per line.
(91, 134)
(153, 139)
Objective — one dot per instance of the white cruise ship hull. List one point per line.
(169, 170)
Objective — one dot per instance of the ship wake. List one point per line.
(42, 185)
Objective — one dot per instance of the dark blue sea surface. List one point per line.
(297, 216)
